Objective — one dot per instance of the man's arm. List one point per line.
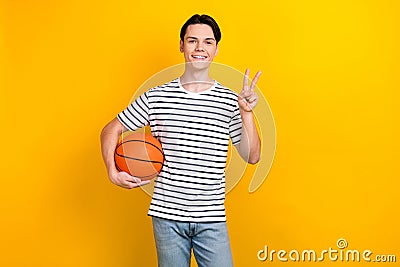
(249, 146)
(109, 140)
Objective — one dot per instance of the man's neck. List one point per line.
(196, 81)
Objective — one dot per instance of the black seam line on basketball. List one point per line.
(186, 193)
(147, 142)
(144, 160)
(116, 165)
(222, 187)
(178, 209)
(185, 116)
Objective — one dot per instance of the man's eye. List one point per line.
(191, 41)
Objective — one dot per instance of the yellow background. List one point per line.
(331, 77)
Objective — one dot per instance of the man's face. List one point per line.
(199, 44)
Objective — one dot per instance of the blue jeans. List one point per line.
(175, 240)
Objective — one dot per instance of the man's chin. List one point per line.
(198, 64)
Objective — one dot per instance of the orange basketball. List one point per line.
(140, 155)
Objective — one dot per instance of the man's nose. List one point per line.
(199, 46)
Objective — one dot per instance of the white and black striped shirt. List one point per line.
(194, 130)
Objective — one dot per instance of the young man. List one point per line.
(193, 117)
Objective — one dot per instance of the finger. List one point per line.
(144, 182)
(252, 98)
(241, 99)
(128, 181)
(141, 183)
(127, 177)
(130, 185)
(254, 82)
(246, 79)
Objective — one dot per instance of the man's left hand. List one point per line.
(248, 98)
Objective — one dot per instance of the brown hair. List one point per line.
(202, 19)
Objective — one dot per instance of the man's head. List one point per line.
(199, 39)
(202, 19)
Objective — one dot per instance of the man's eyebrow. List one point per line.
(192, 37)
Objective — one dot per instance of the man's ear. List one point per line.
(181, 46)
(216, 51)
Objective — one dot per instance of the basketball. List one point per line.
(140, 155)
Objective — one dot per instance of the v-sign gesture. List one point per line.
(248, 98)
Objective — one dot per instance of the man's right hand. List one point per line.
(127, 181)
(109, 140)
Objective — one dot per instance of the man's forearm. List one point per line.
(109, 140)
(249, 147)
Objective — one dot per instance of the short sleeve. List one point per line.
(136, 115)
(235, 126)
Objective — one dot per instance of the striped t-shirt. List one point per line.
(194, 130)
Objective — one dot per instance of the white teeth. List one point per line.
(200, 57)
